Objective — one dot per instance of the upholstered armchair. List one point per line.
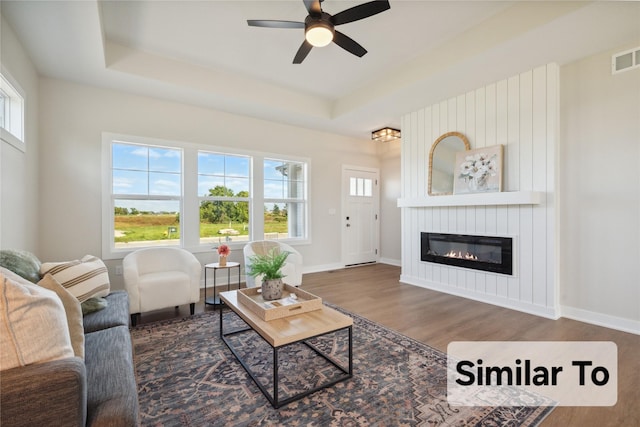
(158, 278)
(292, 268)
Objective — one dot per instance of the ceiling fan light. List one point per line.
(319, 35)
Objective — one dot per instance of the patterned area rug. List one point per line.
(188, 377)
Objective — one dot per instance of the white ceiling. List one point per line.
(204, 53)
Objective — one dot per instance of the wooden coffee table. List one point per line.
(280, 333)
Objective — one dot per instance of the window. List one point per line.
(223, 189)
(285, 199)
(360, 187)
(166, 193)
(146, 197)
(11, 111)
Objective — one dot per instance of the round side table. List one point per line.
(214, 299)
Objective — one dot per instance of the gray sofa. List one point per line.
(99, 391)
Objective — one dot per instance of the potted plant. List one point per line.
(270, 267)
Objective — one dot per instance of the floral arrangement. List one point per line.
(476, 169)
(223, 250)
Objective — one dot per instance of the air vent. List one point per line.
(626, 60)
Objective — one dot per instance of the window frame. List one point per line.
(231, 199)
(304, 199)
(109, 250)
(13, 132)
(190, 203)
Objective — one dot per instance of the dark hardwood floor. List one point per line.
(436, 319)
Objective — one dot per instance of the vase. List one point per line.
(478, 184)
(272, 289)
(222, 262)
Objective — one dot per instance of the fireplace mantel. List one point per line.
(477, 199)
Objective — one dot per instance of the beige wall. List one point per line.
(390, 230)
(73, 117)
(600, 192)
(19, 207)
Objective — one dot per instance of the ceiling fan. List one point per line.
(319, 26)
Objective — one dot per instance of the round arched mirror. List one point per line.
(442, 159)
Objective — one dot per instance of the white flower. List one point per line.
(478, 167)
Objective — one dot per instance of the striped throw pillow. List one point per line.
(84, 278)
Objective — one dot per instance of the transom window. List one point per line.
(360, 187)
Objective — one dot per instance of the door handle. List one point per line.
(348, 225)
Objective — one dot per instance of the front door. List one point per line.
(360, 231)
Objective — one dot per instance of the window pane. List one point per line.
(223, 175)
(222, 221)
(145, 170)
(284, 180)
(164, 160)
(273, 169)
(129, 156)
(130, 182)
(368, 187)
(164, 184)
(206, 183)
(284, 220)
(211, 164)
(237, 166)
(352, 186)
(140, 223)
(273, 189)
(239, 186)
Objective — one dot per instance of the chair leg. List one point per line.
(134, 319)
(192, 308)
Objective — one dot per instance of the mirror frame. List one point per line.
(467, 147)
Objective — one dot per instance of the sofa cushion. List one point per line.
(115, 314)
(23, 263)
(72, 310)
(33, 323)
(112, 395)
(84, 278)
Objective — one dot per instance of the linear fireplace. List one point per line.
(484, 253)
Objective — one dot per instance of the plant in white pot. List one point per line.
(269, 266)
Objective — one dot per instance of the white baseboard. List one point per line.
(546, 312)
(613, 322)
(322, 267)
(390, 261)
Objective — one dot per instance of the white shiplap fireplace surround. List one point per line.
(521, 113)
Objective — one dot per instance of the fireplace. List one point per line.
(486, 253)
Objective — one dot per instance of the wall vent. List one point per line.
(626, 60)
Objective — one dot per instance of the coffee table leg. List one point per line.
(350, 352)
(276, 404)
(221, 331)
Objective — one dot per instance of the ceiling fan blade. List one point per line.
(274, 23)
(348, 44)
(360, 12)
(302, 53)
(313, 6)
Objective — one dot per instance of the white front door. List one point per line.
(360, 206)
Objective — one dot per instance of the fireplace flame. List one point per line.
(460, 255)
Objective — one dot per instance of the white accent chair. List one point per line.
(157, 278)
(292, 269)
